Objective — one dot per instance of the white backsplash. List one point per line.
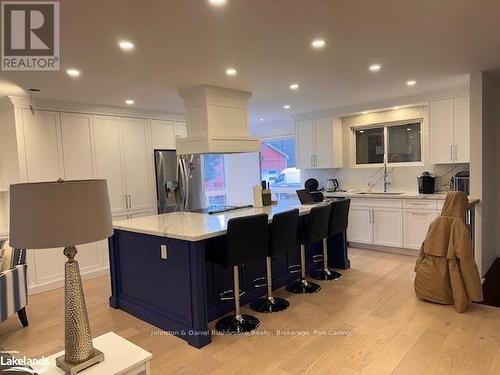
(401, 178)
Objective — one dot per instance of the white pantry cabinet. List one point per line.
(137, 163)
(319, 143)
(124, 159)
(43, 148)
(108, 156)
(450, 130)
(42, 142)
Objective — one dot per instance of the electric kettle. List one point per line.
(332, 184)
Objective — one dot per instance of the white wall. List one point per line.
(485, 159)
(242, 172)
(402, 178)
(284, 128)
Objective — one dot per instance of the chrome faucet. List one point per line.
(386, 174)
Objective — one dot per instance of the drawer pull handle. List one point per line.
(294, 268)
(420, 213)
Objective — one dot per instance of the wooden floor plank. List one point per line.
(367, 323)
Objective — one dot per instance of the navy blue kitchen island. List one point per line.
(160, 272)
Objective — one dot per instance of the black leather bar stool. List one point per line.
(246, 240)
(282, 237)
(339, 216)
(316, 229)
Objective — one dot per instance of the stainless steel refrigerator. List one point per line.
(179, 182)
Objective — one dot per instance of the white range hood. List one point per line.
(217, 122)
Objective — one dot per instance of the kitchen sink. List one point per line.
(381, 193)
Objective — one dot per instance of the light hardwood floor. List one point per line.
(389, 330)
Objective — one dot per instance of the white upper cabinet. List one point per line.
(461, 133)
(163, 134)
(136, 158)
(319, 143)
(43, 145)
(450, 131)
(77, 146)
(305, 144)
(109, 160)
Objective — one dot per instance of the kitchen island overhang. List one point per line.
(160, 272)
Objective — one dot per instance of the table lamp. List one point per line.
(64, 214)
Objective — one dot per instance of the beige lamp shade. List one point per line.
(59, 214)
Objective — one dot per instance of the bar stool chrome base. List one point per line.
(302, 286)
(237, 324)
(269, 305)
(326, 275)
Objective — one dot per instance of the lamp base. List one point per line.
(73, 369)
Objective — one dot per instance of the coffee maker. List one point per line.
(426, 183)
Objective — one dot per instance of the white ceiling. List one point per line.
(182, 43)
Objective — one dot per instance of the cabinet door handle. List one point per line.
(129, 201)
(312, 160)
(451, 152)
(126, 202)
(420, 213)
(373, 216)
(456, 152)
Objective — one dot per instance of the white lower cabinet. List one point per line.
(391, 222)
(415, 225)
(360, 225)
(387, 227)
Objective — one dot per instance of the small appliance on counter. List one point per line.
(332, 185)
(311, 184)
(460, 182)
(426, 183)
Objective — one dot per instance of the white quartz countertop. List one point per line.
(403, 195)
(192, 226)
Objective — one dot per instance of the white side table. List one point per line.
(120, 357)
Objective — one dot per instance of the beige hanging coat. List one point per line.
(445, 270)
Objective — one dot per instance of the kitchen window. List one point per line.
(400, 142)
(214, 179)
(278, 167)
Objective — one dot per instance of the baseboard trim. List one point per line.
(40, 288)
(385, 249)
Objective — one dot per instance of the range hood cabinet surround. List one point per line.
(217, 122)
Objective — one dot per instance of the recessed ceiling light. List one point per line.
(129, 101)
(126, 45)
(361, 131)
(261, 119)
(286, 106)
(318, 43)
(217, 2)
(374, 68)
(409, 129)
(231, 72)
(411, 82)
(395, 108)
(294, 86)
(73, 72)
(364, 112)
